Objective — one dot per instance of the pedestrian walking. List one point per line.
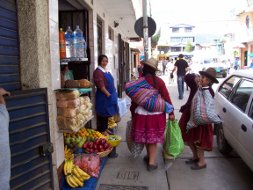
(199, 138)
(106, 100)
(148, 127)
(182, 67)
(5, 154)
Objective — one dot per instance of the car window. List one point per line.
(241, 96)
(227, 87)
(251, 110)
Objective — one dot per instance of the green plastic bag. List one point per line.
(173, 142)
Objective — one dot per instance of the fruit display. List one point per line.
(74, 141)
(74, 175)
(90, 133)
(114, 140)
(111, 123)
(68, 154)
(99, 145)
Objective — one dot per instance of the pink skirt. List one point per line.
(148, 129)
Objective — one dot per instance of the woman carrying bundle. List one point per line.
(148, 127)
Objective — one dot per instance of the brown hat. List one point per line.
(152, 62)
(210, 73)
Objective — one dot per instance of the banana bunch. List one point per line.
(68, 165)
(73, 181)
(111, 123)
(80, 174)
(68, 154)
(75, 176)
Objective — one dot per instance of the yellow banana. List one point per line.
(80, 183)
(84, 175)
(76, 173)
(65, 167)
(71, 181)
(70, 166)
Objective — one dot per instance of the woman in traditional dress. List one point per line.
(148, 127)
(200, 138)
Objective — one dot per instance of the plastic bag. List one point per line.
(134, 148)
(90, 163)
(173, 143)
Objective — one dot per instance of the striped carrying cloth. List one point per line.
(146, 96)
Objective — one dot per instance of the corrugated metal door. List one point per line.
(31, 162)
(9, 46)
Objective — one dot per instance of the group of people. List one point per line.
(148, 127)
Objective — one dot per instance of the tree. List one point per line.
(189, 47)
(155, 38)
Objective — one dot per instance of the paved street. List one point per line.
(223, 173)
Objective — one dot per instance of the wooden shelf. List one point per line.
(81, 90)
(77, 59)
(74, 131)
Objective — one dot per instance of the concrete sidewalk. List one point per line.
(127, 173)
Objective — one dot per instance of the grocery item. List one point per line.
(69, 42)
(62, 44)
(79, 43)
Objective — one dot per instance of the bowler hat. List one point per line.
(152, 62)
(210, 73)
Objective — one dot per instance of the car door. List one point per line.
(246, 125)
(225, 108)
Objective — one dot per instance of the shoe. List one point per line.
(146, 159)
(191, 161)
(152, 167)
(197, 167)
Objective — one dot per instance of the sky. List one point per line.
(206, 15)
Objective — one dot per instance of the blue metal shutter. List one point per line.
(9, 46)
(31, 168)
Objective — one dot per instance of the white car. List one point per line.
(220, 67)
(234, 105)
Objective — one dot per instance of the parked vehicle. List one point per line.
(220, 67)
(234, 105)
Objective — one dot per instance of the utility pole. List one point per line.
(145, 29)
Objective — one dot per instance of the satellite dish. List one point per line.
(138, 27)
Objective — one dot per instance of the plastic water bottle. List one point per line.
(78, 42)
(84, 47)
(69, 42)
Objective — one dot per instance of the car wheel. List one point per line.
(222, 143)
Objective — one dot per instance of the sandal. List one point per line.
(191, 161)
(198, 167)
(152, 167)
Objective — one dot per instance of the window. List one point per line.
(242, 94)
(251, 110)
(227, 86)
(188, 29)
(175, 30)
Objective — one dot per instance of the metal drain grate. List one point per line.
(120, 187)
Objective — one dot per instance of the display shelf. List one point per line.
(77, 129)
(81, 90)
(66, 60)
